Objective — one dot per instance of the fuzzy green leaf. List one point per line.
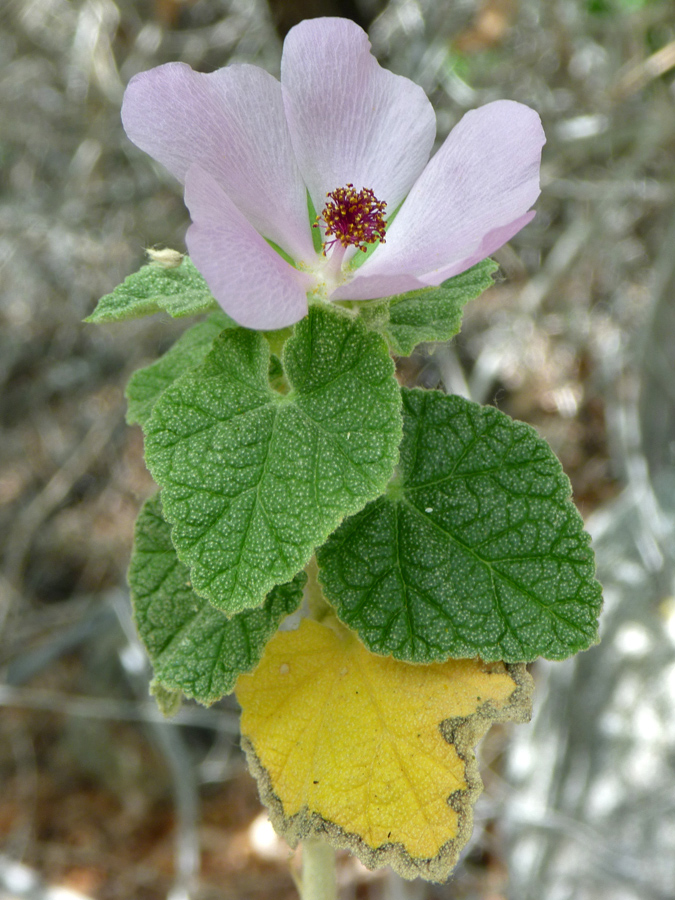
(253, 480)
(194, 648)
(168, 701)
(475, 550)
(179, 291)
(430, 314)
(147, 385)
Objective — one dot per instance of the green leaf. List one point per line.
(276, 375)
(168, 702)
(179, 291)
(430, 314)
(253, 480)
(194, 648)
(147, 385)
(475, 550)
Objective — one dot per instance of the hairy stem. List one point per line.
(319, 881)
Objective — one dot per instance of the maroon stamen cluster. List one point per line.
(354, 218)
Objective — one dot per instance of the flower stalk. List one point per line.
(319, 874)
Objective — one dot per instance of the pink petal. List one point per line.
(351, 121)
(370, 286)
(252, 283)
(492, 241)
(232, 124)
(470, 199)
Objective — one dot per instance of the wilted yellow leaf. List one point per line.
(372, 752)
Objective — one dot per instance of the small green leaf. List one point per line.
(179, 291)
(316, 232)
(147, 385)
(168, 702)
(430, 314)
(253, 480)
(475, 550)
(276, 375)
(193, 647)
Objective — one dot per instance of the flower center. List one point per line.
(352, 218)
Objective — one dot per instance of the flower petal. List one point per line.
(232, 124)
(368, 287)
(351, 121)
(492, 241)
(470, 199)
(252, 283)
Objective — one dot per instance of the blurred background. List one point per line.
(100, 797)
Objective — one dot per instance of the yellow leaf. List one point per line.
(373, 753)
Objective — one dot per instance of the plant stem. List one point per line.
(319, 880)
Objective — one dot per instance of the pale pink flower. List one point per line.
(249, 150)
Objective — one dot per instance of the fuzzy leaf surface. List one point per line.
(253, 480)
(430, 314)
(147, 385)
(195, 648)
(373, 754)
(475, 550)
(179, 291)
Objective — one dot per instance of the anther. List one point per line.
(353, 218)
